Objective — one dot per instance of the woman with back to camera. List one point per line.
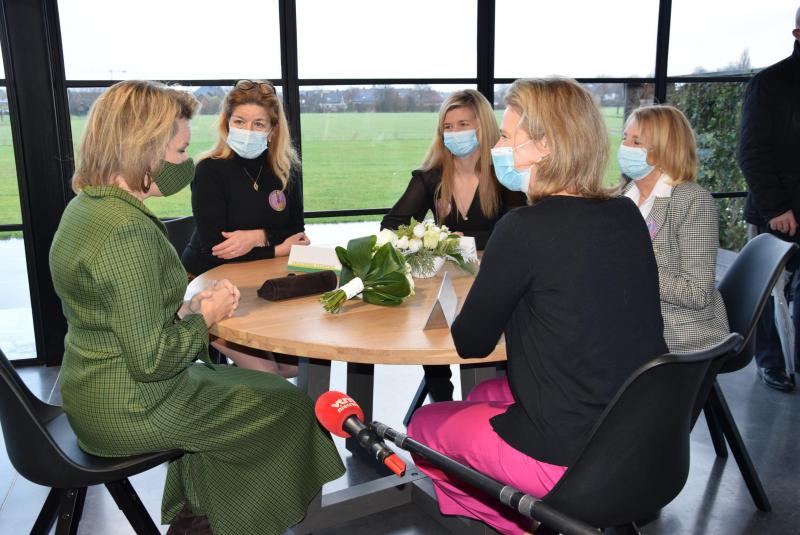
(457, 184)
(245, 198)
(255, 455)
(556, 278)
(659, 155)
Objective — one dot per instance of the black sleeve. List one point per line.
(415, 202)
(756, 150)
(501, 282)
(209, 199)
(296, 221)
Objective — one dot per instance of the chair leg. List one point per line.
(69, 514)
(746, 467)
(416, 403)
(48, 514)
(130, 504)
(714, 429)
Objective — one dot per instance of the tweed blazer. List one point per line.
(685, 233)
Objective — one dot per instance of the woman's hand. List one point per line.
(217, 302)
(295, 239)
(239, 243)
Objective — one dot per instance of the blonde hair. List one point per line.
(281, 155)
(128, 129)
(438, 157)
(669, 139)
(565, 113)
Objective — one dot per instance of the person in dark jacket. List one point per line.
(768, 157)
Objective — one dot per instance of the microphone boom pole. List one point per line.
(508, 495)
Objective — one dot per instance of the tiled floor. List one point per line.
(714, 501)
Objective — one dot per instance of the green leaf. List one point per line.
(359, 251)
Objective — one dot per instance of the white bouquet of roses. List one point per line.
(426, 246)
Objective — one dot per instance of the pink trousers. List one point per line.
(461, 430)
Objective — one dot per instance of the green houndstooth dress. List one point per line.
(256, 455)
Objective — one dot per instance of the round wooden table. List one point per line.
(361, 335)
(361, 332)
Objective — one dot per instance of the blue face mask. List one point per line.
(461, 143)
(507, 174)
(248, 144)
(633, 162)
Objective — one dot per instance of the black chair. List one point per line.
(179, 232)
(637, 457)
(43, 449)
(745, 289)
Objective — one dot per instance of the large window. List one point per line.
(714, 109)
(174, 40)
(580, 39)
(360, 143)
(728, 35)
(378, 39)
(16, 320)
(204, 135)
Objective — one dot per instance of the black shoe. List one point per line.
(776, 378)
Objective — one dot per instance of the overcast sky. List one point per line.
(197, 39)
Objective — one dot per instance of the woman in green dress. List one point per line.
(255, 454)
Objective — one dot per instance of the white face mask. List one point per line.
(248, 144)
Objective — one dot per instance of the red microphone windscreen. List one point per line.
(333, 408)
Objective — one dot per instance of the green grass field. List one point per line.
(350, 160)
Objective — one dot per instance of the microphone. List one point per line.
(341, 415)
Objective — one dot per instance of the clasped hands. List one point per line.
(215, 302)
(240, 242)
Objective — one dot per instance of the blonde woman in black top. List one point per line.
(457, 184)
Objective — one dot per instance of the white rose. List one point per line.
(443, 236)
(434, 228)
(414, 245)
(402, 243)
(419, 230)
(386, 236)
(430, 239)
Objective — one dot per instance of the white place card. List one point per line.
(313, 258)
(444, 308)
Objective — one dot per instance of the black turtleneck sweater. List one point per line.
(223, 199)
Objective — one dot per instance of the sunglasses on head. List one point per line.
(265, 88)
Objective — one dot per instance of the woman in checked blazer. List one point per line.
(658, 154)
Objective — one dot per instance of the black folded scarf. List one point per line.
(295, 285)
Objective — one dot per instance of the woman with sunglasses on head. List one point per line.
(457, 184)
(245, 199)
